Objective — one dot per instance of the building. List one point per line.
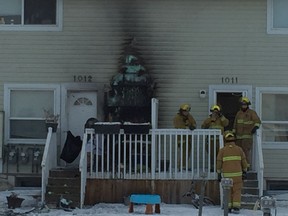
(200, 52)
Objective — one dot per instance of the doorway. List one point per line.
(229, 103)
(81, 105)
(227, 97)
(78, 103)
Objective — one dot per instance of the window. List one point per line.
(24, 112)
(30, 14)
(277, 16)
(274, 116)
(84, 101)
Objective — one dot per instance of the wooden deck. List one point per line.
(171, 191)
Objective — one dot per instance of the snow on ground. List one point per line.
(32, 202)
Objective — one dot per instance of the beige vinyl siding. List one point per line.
(275, 163)
(187, 45)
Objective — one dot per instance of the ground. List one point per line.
(32, 203)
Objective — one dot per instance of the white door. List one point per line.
(82, 105)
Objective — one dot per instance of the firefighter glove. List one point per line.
(254, 129)
(219, 177)
(244, 175)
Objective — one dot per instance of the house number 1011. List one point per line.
(81, 78)
(229, 80)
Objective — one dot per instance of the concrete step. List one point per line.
(63, 181)
(250, 183)
(248, 198)
(63, 190)
(66, 173)
(250, 190)
(52, 200)
(247, 205)
(251, 175)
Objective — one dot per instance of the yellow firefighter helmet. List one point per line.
(215, 107)
(229, 136)
(245, 100)
(185, 107)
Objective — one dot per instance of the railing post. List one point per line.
(46, 164)
(153, 153)
(83, 164)
(203, 186)
(154, 113)
(226, 184)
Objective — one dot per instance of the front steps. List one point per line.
(63, 183)
(250, 191)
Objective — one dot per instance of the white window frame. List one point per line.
(270, 28)
(22, 27)
(7, 90)
(258, 108)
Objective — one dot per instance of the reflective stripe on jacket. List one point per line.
(231, 161)
(244, 123)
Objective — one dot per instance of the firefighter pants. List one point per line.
(183, 153)
(213, 155)
(246, 145)
(234, 197)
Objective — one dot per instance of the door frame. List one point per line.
(246, 91)
(65, 88)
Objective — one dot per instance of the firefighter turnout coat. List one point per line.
(244, 123)
(214, 123)
(184, 122)
(218, 123)
(231, 161)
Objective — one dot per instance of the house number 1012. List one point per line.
(229, 80)
(81, 78)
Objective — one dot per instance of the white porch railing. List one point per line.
(258, 162)
(49, 161)
(156, 155)
(172, 146)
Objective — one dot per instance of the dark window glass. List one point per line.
(28, 129)
(40, 12)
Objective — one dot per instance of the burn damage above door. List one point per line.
(129, 97)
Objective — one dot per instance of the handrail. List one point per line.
(260, 163)
(83, 166)
(48, 160)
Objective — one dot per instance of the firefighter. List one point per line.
(184, 120)
(245, 125)
(231, 163)
(216, 120)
